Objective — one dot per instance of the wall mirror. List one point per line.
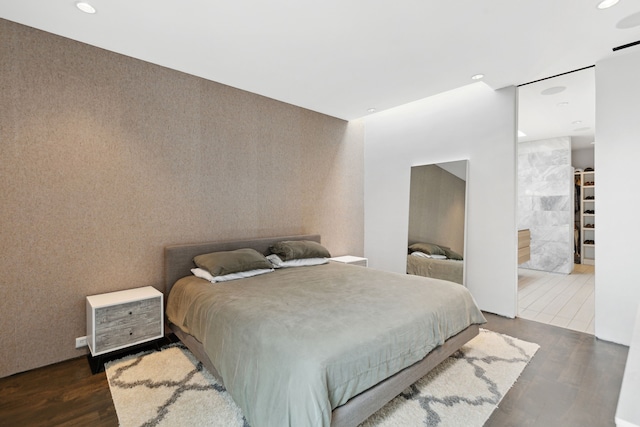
(437, 218)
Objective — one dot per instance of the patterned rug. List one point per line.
(171, 388)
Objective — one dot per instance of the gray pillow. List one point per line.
(222, 263)
(452, 254)
(427, 248)
(299, 249)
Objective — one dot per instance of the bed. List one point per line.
(435, 261)
(286, 351)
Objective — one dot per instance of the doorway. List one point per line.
(556, 199)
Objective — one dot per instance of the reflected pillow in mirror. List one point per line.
(427, 248)
(452, 254)
(423, 255)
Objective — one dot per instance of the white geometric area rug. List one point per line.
(171, 388)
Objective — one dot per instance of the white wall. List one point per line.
(582, 158)
(474, 123)
(617, 153)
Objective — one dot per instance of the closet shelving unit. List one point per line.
(588, 217)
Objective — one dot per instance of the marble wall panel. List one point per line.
(545, 203)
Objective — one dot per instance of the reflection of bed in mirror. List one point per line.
(435, 261)
(445, 269)
(437, 215)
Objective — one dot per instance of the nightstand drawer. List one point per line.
(127, 324)
(115, 316)
(121, 319)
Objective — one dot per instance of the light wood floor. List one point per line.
(558, 299)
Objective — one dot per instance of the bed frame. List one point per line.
(178, 263)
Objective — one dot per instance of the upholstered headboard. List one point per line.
(178, 259)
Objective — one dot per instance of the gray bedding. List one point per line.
(293, 344)
(444, 269)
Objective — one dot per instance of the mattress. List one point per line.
(294, 344)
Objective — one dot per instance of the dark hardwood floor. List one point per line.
(64, 394)
(573, 380)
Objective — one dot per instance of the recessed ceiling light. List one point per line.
(562, 104)
(371, 110)
(605, 4)
(576, 122)
(477, 77)
(85, 7)
(553, 90)
(629, 22)
(521, 134)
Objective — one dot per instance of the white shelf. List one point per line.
(587, 251)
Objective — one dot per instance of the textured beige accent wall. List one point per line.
(105, 159)
(436, 207)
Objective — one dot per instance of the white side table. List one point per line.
(117, 320)
(350, 259)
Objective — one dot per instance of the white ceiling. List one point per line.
(343, 57)
(561, 106)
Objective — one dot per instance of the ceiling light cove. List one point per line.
(477, 77)
(86, 7)
(605, 4)
(371, 110)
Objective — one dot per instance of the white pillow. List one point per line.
(277, 262)
(204, 274)
(423, 255)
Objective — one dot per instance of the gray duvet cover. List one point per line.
(444, 269)
(293, 344)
